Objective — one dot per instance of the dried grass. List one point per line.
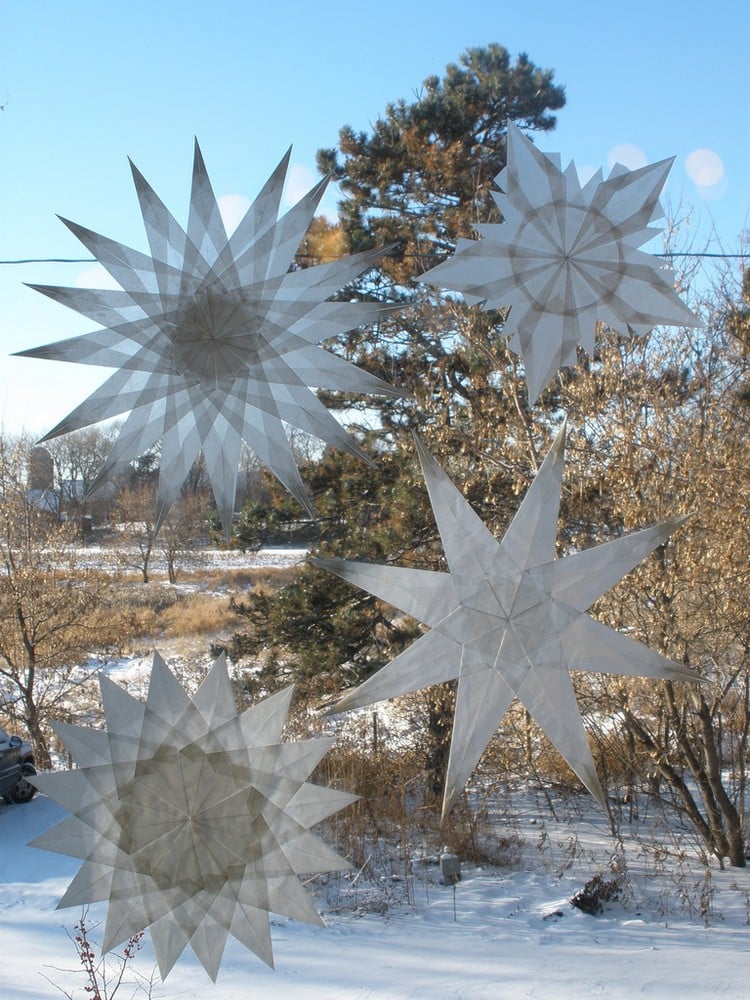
(158, 610)
(396, 808)
(198, 614)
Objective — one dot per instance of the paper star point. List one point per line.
(508, 621)
(191, 819)
(564, 257)
(215, 340)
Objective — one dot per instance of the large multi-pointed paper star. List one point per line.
(191, 819)
(566, 256)
(216, 340)
(508, 620)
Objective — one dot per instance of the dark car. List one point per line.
(16, 765)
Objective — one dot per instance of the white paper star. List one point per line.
(508, 621)
(565, 257)
(216, 341)
(190, 818)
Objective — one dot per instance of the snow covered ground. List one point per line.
(98, 556)
(680, 928)
(515, 935)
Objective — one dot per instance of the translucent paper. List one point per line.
(215, 340)
(566, 256)
(191, 819)
(508, 620)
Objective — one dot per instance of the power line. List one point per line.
(721, 256)
(51, 260)
(414, 256)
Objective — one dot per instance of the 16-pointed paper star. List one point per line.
(190, 818)
(508, 621)
(564, 257)
(216, 341)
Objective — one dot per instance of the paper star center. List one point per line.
(181, 815)
(555, 252)
(216, 336)
(508, 624)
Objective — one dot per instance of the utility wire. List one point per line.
(51, 260)
(415, 256)
(721, 256)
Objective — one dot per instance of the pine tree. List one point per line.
(658, 428)
(420, 180)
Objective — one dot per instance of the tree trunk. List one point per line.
(719, 824)
(37, 736)
(144, 564)
(33, 719)
(440, 711)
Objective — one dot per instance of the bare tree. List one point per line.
(135, 510)
(49, 621)
(183, 532)
(77, 459)
(665, 424)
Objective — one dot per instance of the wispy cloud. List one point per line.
(628, 155)
(232, 208)
(705, 169)
(95, 276)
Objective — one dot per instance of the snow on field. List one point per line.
(515, 934)
(277, 558)
(679, 929)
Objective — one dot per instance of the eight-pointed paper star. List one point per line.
(216, 341)
(565, 257)
(190, 818)
(508, 621)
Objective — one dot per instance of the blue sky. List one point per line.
(87, 84)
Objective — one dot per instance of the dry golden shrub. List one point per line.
(395, 806)
(159, 610)
(233, 580)
(198, 614)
